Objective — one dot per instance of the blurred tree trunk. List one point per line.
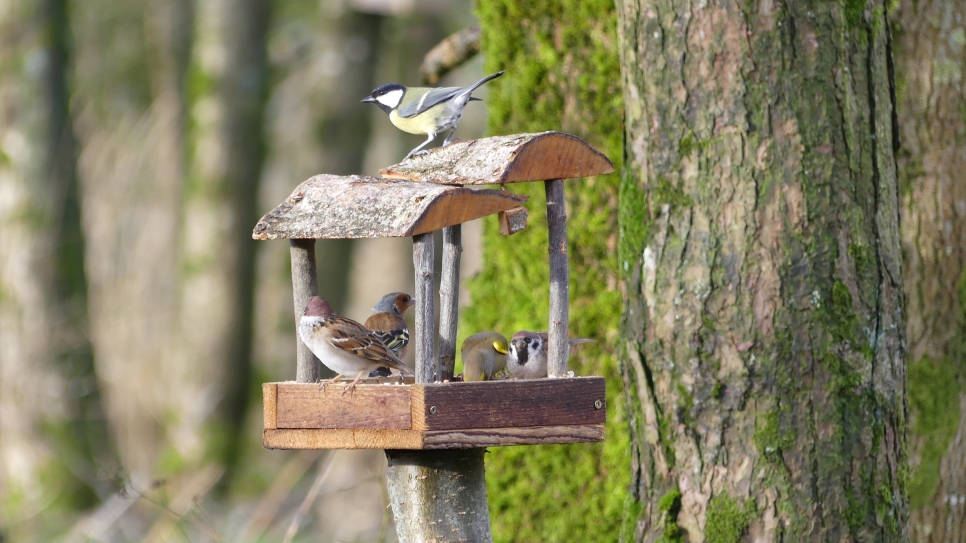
(562, 73)
(50, 413)
(229, 85)
(930, 64)
(131, 61)
(763, 327)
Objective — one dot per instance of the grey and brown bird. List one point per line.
(388, 323)
(484, 355)
(342, 344)
(528, 354)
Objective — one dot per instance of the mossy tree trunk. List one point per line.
(930, 65)
(562, 74)
(764, 339)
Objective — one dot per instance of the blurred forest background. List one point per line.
(139, 143)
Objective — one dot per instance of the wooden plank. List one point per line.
(502, 437)
(511, 403)
(424, 337)
(341, 439)
(305, 284)
(368, 406)
(449, 301)
(342, 207)
(435, 439)
(505, 159)
(512, 220)
(269, 399)
(558, 347)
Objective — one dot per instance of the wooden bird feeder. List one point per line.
(428, 193)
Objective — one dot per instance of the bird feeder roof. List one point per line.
(505, 159)
(344, 207)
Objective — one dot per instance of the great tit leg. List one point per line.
(451, 138)
(432, 136)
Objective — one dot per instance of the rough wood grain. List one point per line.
(269, 399)
(385, 407)
(337, 207)
(441, 496)
(430, 440)
(512, 220)
(505, 159)
(449, 299)
(511, 403)
(305, 284)
(558, 348)
(424, 337)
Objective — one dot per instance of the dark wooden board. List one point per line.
(433, 439)
(511, 403)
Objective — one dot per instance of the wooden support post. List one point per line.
(305, 284)
(437, 495)
(423, 259)
(559, 329)
(449, 301)
(443, 495)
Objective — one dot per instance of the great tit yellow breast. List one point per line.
(427, 122)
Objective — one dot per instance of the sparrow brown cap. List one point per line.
(318, 307)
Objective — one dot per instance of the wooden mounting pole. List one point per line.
(436, 495)
(423, 258)
(449, 301)
(442, 495)
(305, 284)
(558, 348)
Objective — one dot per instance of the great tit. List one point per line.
(425, 110)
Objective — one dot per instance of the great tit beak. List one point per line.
(368, 99)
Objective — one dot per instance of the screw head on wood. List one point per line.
(433, 410)
(598, 404)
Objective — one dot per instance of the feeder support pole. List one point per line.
(305, 284)
(423, 259)
(449, 301)
(558, 349)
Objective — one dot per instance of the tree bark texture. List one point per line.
(930, 63)
(763, 334)
(452, 509)
(449, 301)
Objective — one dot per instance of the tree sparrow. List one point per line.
(484, 355)
(528, 354)
(342, 344)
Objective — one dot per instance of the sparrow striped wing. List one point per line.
(352, 337)
(426, 101)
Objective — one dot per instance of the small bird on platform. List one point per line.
(528, 354)
(425, 110)
(344, 345)
(484, 355)
(389, 325)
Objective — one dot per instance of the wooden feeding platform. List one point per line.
(434, 416)
(427, 193)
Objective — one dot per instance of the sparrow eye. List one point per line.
(527, 341)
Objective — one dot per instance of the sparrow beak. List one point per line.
(368, 99)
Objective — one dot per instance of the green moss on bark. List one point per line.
(562, 74)
(728, 519)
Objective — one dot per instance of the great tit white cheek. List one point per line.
(391, 98)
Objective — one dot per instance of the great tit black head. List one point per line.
(425, 110)
(387, 96)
